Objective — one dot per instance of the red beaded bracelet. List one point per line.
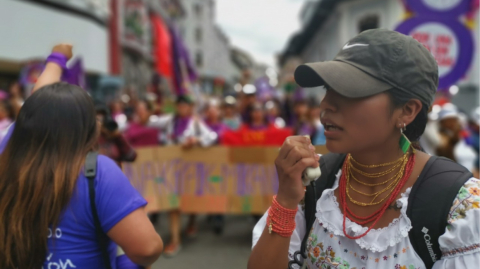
(281, 220)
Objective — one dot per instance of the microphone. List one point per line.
(310, 174)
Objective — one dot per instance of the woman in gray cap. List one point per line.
(380, 201)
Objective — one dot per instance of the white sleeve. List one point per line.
(207, 136)
(295, 239)
(159, 122)
(197, 128)
(460, 244)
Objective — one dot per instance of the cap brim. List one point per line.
(343, 78)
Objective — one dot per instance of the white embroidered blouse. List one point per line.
(388, 247)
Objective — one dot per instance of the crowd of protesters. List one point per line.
(450, 132)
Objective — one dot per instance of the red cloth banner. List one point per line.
(247, 137)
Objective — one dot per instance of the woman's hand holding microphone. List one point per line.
(296, 155)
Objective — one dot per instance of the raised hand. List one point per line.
(65, 49)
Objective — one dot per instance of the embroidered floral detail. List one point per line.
(474, 191)
(385, 258)
(326, 259)
(460, 250)
(468, 198)
(398, 266)
(395, 255)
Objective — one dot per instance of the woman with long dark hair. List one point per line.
(45, 214)
(384, 203)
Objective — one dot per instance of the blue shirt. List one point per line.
(74, 244)
(319, 138)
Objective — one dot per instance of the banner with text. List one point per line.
(206, 180)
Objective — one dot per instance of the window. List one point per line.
(197, 9)
(199, 59)
(198, 35)
(368, 22)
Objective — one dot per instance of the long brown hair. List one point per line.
(54, 131)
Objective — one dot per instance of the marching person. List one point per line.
(111, 142)
(255, 118)
(46, 216)
(318, 135)
(379, 90)
(231, 117)
(213, 118)
(273, 114)
(185, 129)
(139, 132)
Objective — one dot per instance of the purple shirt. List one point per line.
(219, 128)
(180, 125)
(141, 136)
(76, 244)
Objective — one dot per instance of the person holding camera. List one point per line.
(111, 141)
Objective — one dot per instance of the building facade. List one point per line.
(208, 45)
(328, 24)
(30, 29)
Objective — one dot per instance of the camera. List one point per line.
(108, 122)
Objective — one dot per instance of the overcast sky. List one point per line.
(260, 27)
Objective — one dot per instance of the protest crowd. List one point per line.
(208, 121)
(78, 183)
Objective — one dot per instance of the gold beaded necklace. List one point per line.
(401, 162)
(377, 165)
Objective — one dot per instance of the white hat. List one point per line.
(448, 111)
(475, 115)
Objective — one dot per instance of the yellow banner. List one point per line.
(240, 180)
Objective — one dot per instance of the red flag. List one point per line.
(162, 48)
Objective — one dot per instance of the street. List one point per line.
(229, 250)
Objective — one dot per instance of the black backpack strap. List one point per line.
(329, 166)
(90, 174)
(429, 204)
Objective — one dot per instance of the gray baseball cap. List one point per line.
(373, 62)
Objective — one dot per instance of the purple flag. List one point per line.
(75, 74)
(265, 91)
(181, 55)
